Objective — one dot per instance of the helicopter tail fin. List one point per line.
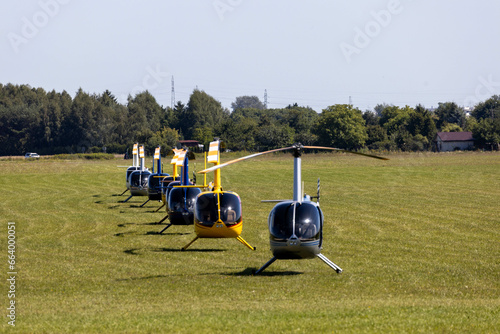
(135, 156)
(180, 158)
(317, 196)
(213, 152)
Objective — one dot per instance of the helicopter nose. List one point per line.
(293, 241)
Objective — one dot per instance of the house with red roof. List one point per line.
(453, 141)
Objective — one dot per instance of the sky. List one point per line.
(314, 53)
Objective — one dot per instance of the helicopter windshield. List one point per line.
(307, 221)
(139, 179)
(166, 181)
(155, 182)
(183, 199)
(207, 208)
(130, 170)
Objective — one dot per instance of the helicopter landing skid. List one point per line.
(189, 244)
(240, 239)
(321, 256)
(165, 228)
(127, 199)
(144, 203)
(268, 263)
(123, 192)
(160, 207)
(330, 263)
(163, 219)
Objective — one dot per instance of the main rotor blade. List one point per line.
(211, 169)
(346, 151)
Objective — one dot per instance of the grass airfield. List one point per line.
(418, 238)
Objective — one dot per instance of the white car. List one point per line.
(31, 155)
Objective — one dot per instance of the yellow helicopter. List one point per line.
(217, 213)
(295, 226)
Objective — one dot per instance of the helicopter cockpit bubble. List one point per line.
(181, 203)
(169, 186)
(183, 199)
(303, 220)
(155, 187)
(208, 205)
(139, 182)
(130, 170)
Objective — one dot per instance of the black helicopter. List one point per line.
(135, 166)
(138, 179)
(181, 195)
(295, 226)
(154, 181)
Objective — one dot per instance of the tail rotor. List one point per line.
(317, 196)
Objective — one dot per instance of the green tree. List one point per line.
(81, 126)
(273, 136)
(243, 102)
(111, 118)
(421, 126)
(377, 137)
(451, 127)
(204, 134)
(167, 138)
(449, 112)
(486, 133)
(488, 109)
(394, 118)
(202, 111)
(144, 116)
(371, 118)
(302, 121)
(341, 126)
(239, 132)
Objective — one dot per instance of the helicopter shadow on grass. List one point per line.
(141, 278)
(165, 233)
(148, 232)
(123, 234)
(251, 272)
(154, 277)
(99, 200)
(138, 251)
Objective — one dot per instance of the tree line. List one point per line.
(32, 119)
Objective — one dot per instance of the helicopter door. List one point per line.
(206, 209)
(230, 208)
(307, 221)
(191, 194)
(281, 221)
(176, 200)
